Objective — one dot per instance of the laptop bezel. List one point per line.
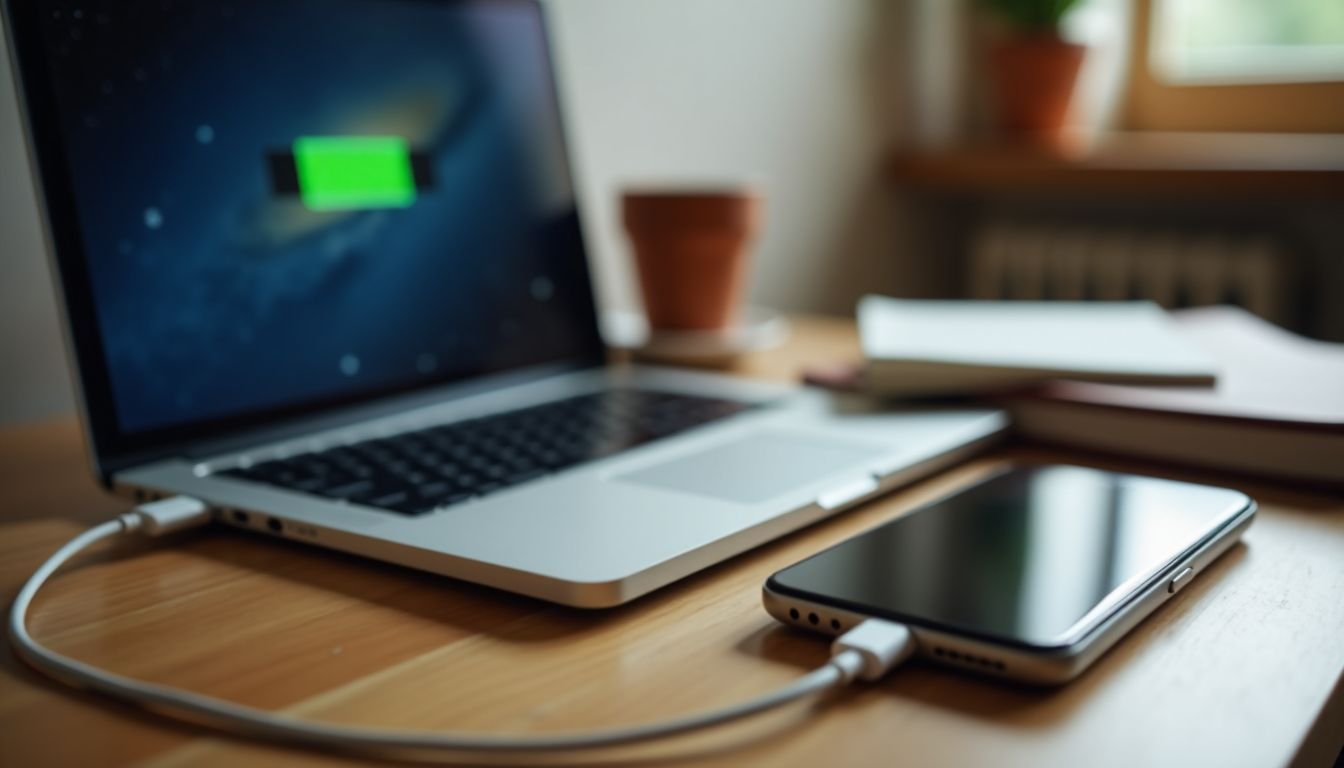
(112, 449)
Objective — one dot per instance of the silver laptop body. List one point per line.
(591, 534)
(605, 532)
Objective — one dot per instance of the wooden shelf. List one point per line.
(1227, 164)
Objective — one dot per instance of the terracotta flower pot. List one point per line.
(691, 249)
(1033, 80)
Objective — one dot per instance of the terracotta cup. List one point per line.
(691, 249)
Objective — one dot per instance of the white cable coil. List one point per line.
(870, 650)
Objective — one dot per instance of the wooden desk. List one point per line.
(1242, 668)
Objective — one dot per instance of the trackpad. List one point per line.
(756, 467)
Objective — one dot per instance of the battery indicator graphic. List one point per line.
(354, 172)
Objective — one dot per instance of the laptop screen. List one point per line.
(288, 205)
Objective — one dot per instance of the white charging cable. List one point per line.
(868, 651)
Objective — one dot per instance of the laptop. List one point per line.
(321, 267)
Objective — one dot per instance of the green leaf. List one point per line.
(1031, 15)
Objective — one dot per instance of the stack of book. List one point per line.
(1213, 387)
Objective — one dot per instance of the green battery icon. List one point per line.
(347, 172)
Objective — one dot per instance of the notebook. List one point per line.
(934, 348)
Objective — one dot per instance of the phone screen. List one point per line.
(1033, 556)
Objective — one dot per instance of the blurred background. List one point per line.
(908, 147)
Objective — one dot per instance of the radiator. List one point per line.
(1014, 261)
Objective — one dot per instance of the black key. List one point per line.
(426, 505)
(388, 500)
(434, 490)
(348, 490)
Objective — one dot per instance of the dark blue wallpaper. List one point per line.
(219, 293)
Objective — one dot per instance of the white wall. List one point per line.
(796, 96)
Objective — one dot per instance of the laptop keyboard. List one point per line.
(416, 472)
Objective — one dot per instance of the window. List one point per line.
(1247, 41)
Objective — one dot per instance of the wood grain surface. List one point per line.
(1243, 668)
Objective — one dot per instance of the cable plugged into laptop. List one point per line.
(868, 652)
(172, 514)
(154, 518)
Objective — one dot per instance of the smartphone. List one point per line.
(1031, 574)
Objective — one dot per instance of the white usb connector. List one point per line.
(171, 514)
(882, 645)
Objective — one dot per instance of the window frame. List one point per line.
(1155, 103)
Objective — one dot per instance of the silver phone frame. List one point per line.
(1041, 666)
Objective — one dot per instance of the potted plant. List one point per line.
(1033, 69)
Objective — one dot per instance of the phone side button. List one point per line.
(1179, 581)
